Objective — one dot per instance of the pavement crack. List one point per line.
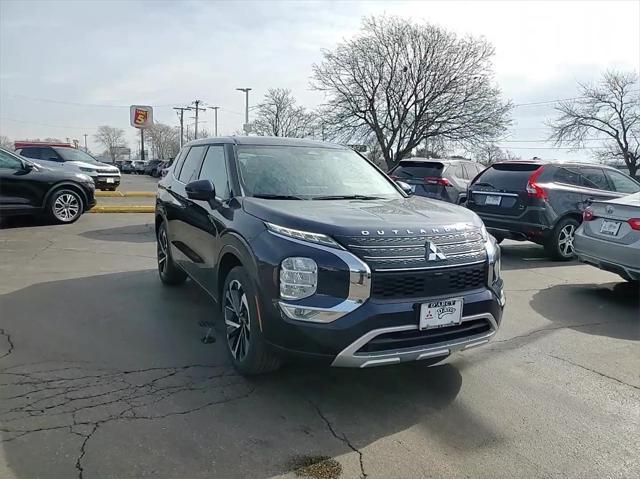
(554, 328)
(594, 371)
(343, 438)
(7, 337)
(83, 450)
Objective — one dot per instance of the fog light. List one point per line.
(298, 278)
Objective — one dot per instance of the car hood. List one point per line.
(394, 217)
(95, 166)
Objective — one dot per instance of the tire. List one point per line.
(65, 206)
(170, 274)
(246, 347)
(559, 245)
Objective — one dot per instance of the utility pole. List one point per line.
(246, 111)
(215, 119)
(181, 115)
(86, 150)
(197, 109)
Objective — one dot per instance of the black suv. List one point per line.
(309, 249)
(445, 180)
(29, 189)
(543, 201)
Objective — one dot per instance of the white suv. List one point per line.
(105, 176)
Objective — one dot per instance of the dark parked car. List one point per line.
(105, 176)
(30, 189)
(445, 180)
(126, 166)
(300, 265)
(543, 201)
(151, 166)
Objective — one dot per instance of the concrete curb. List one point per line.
(125, 194)
(123, 209)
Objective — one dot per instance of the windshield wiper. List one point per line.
(346, 197)
(278, 197)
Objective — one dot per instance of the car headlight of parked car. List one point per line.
(303, 235)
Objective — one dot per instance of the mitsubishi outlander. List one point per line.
(309, 250)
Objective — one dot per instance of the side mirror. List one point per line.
(27, 167)
(202, 190)
(405, 187)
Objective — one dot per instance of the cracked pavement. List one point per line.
(103, 375)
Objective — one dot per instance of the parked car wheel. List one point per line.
(65, 206)
(245, 345)
(170, 274)
(560, 244)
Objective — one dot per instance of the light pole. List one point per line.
(215, 119)
(246, 110)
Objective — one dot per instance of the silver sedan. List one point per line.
(609, 236)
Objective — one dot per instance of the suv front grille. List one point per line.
(426, 283)
(410, 252)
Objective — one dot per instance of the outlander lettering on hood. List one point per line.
(310, 250)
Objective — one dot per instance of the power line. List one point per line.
(551, 147)
(95, 105)
(43, 124)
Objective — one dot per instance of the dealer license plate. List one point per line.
(437, 314)
(493, 200)
(610, 227)
(110, 180)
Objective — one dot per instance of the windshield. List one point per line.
(73, 154)
(310, 173)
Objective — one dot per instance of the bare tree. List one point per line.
(5, 142)
(189, 133)
(164, 139)
(403, 82)
(609, 110)
(488, 154)
(279, 115)
(112, 139)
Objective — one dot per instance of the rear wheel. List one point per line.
(560, 243)
(170, 274)
(65, 206)
(246, 347)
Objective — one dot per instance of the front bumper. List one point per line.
(106, 181)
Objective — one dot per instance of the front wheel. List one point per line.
(65, 206)
(245, 345)
(560, 242)
(170, 274)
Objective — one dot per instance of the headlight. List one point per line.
(303, 235)
(298, 278)
(88, 170)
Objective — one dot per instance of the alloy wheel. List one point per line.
(237, 320)
(162, 249)
(565, 240)
(66, 207)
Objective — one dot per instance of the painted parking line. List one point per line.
(123, 209)
(125, 194)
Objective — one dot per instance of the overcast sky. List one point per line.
(68, 66)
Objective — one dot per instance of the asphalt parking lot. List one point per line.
(103, 374)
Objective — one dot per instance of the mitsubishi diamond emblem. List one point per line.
(433, 253)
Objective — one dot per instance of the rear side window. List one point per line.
(409, 170)
(179, 161)
(214, 168)
(506, 177)
(622, 183)
(458, 172)
(594, 178)
(191, 165)
(567, 176)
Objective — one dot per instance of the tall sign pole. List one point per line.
(215, 119)
(181, 110)
(141, 117)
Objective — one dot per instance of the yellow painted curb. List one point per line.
(124, 209)
(139, 194)
(109, 194)
(125, 194)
